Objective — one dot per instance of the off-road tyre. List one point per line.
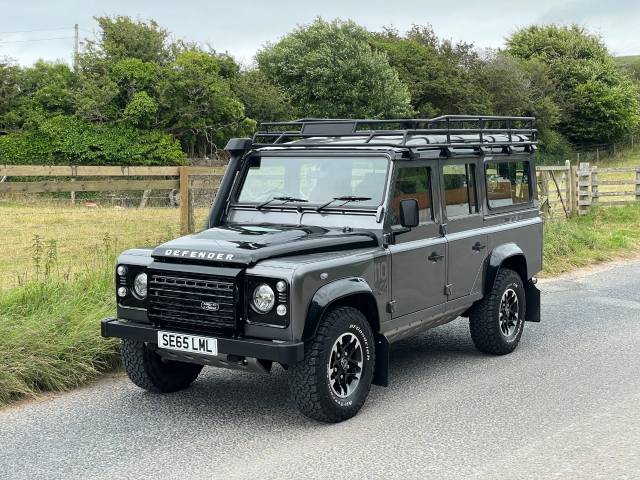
(310, 379)
(484, 320)
(149, 371)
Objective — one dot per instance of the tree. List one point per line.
(439, 74)
(263, 101)
(328, 69)
(197, 104)
(597, 102)
(9, 94)
(121, 38)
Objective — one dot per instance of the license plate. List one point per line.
(188, 343)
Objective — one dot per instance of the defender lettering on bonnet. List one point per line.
(197, 254)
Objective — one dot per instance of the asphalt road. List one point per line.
(565, 405)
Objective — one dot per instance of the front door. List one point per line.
(418, 262)
(467, 242)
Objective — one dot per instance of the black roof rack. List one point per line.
(447, 131)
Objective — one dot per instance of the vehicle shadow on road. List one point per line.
(220, 395)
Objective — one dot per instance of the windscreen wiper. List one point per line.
(345, 198)
(282, 199)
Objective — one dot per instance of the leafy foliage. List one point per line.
(197, 103)
(262, 100)
(70, 140)
(439, 74)
(139, 96)
(328, 69)
(597, 102)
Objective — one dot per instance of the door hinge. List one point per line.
(447, 289)
(391, 306)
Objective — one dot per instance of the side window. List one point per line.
(460, 189)
(507, 183)
(412, 182)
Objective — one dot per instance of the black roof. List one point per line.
(444, 132)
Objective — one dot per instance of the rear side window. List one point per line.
(413, 182)
(460, 189)
(508, 183)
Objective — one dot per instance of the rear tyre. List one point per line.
(148, 370)
(333, 380)
(496, 322)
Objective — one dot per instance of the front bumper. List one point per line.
(286, 353)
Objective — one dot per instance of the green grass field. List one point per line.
(61, 238)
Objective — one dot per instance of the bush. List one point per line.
(69, 140)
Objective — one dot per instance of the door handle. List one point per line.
(434, 257)
(478, 246)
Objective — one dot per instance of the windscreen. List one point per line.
(315, 179)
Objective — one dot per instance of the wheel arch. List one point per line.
(507, 255)
(354, 292)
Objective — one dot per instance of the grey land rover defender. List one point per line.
(329, 240)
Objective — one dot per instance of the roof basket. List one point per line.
(447, 131)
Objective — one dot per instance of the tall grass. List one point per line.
(50, 334)
(605, 234)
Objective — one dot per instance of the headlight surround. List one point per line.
(140, 285)
(263, 298)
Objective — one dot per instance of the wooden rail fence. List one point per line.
(575, 188)
(113, 179)
(563, 190)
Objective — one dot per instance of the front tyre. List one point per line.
(333, 380)
(148, 370)
(496, 321)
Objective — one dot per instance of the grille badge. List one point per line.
(210, 306)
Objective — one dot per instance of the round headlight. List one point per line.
(122, 270)
(140, 285)
(281, 286)
(263, 298)
(122, 292)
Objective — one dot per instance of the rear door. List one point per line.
(467, 241)
(418, 264)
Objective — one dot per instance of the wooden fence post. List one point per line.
(584, 195)
(186, 206)
(574, 188)
(594, 184)
(638, 184)
(567, 187)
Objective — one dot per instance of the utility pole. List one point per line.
(76, 44)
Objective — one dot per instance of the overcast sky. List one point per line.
(32, 29)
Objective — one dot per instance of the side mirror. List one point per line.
(409, 217)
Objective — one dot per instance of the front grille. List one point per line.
(178, 300)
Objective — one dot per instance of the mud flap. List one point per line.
(381, 372)
(532, 295)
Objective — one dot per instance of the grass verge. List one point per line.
(605, 234)
(50, 334)
(50, 331)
